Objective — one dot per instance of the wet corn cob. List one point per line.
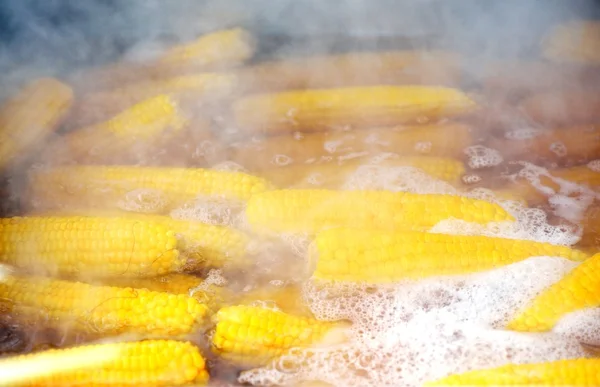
(100, 309)
(30, 116)
(254, 335)
(315, 210)
(443, 140)
(316, 110)
(145, 363)
(363, 255)
(572, 372)
(577, 290)
(333, 176)
(89, 246)
(575, 42)
(136, 189)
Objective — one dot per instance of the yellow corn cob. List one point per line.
(146, 363)
(576, 42)
(89, 246)
(254, 335)
(363, 255)
(100, 309)
(577, 290)
(136, 189)
(333, 176)
(448, 140)
(34, 113)
(315, 110)
(572, 372)
(137, 129)
(314, 210)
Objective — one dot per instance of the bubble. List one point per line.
(282, 160)
(483, 157)
(522, 134)
(559, 149)
(144, 200)
(423, 146)
(594, 165)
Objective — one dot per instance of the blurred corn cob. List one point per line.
(563, 108)
(251, 335)
(136, 189)
(354, 69)
(333, 176)
(315, 210)
(91, 309)
(363, 255)
(316, 110)
(30, 116)
(90, 247)
(145, 363)
(571, 372)
(448, 140)
(577, 41)
(575, 291)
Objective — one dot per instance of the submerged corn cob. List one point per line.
(136, 189)
(577, 290)
(572, 372)
(316, 110)
(89, 246)
(146, 363)
(448, 140)
(314, 210)
(34, 113)
(100, 309)
(575, 42)
(254, 335)
(333, 176)
(363, 255)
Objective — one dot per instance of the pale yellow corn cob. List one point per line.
(577, 41)
(89, 246)
(333, 176)
(136, 189)
(364, 255)
(577, 290)
(571, 372)
(29, 117)
(254, 335)
(100, 309)
(315, 210)
(315, 110)
(150, 363)
(447, 140)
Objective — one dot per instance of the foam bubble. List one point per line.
(229, 166)
(582, 325)
(522, 134)
(282, 160)
(381, 177)
(144, 200)
(211, 210)
(594, 165)
(483, 157)
(559, 149)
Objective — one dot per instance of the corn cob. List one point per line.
(316, 110)
(448, 140)
(286, 298)
(354, 69)
(100, 309)
(363, 255)
(333, 176)
(145, 363)
(29, 117)
(254, 335)
(137, 189)
(577, 290)
(563, 108)
(573, 42)
(89, 246)
(571, 372)
(314, 210)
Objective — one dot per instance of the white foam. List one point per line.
(381, 177)
(559, 149)
(143, 200)
(483, 157)
(582, 325)
(594, 165)
(211, 210)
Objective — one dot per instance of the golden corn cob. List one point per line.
(89, 246)
(575, 42)
(333, 176)
(136, 189)
(254, 335)
(363, 255)
(30, 116)
(146, 363)
(314, 210)
(316, 110)
(448, 140)
(100, 309)
(577, 290)
(571, 372)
